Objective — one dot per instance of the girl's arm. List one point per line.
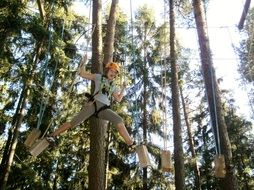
(118, 96)
(82, 71)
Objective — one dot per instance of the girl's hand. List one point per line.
(124, 85)
(83, 61)
(82, 65)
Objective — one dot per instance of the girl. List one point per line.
(99, 103)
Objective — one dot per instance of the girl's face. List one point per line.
(111, 74)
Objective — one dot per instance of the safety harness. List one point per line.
(104, 89)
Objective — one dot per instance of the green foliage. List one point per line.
(245, 51)
(144, 56)
(242, 141)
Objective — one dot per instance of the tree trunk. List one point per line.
(14, 141)
(97, 37)
(110, 35)
(145, 102)
(108, 57)
(41, 9)
(145, 186)
(96, 168)
(96, 171)
(214, 101)
(244, 14)
(10, 134)
(191, 143)
(178, 146)
(17, 121)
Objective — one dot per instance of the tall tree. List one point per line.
(244, 14)
(143, 51)
(110, 33)
(245, 52)
(213, 96)
(108, 57)
(18, 118)
(242, 146)
(31, 53)
(97, 130)
(177, 128)
(190, 140)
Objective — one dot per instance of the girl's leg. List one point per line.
(87, 111)
(114, 118)
(61, 129)
(124, 133)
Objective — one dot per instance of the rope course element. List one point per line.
(48, 85)
(219, 160)
(86, 48)
(141, 149)
(36, 132)
(35, 145)
(166, 164)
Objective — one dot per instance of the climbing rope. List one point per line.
(164, 80)
(86, 48)
(44, 103)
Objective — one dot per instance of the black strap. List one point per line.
(99, 110)
(90, 97)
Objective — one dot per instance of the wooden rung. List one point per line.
(166, 164)
(38, 147)
(219, 166)
(143, 156)
(32, 137)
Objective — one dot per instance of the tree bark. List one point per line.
(191, 143)
(178, 146)
(41, 9)
(244, 14)
(145, 102)
(108, 57)
(213, 96)
(96, 170)
(110, 35)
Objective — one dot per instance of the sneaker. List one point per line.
(51, 140)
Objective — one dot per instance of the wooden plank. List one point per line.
(32, 137)
(143, 156)
(166, 164)
(38, 147)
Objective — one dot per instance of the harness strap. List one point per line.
(97, 111)
(91, 99)
(103, 91)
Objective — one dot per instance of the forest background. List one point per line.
(39, 57)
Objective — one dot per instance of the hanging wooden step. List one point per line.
(166, 163)
(32, 137)
(38, 147)
(219, 166)
(143, 156)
